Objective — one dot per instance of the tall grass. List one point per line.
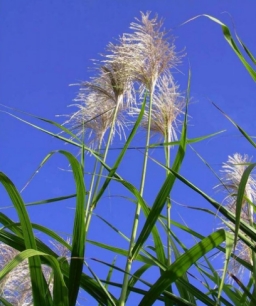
(135, 83)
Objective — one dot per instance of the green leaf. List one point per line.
(60, 297)
(231, 42)
(188, 141)
(247, 293)
(237, 126)
(47, 201)
(58, 136)
(86, 282)
(78, 241)
(4, 302)
(39, 287)
(229, 247)
(120, 251)
(249, 230)
(240, 197)
(182, 264)
(78, 238)
(135, 277)
(111, 301)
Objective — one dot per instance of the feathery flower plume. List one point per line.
(146, 52)
(97, 103)
(166, 107)
(16, 286)
(232, 172)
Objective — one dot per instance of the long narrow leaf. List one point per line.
(237, 126)
(78, 238)
(240, 197)
(60, 297)
(182, 264)
(111, 301)
(188, 141)
(231, 42)
(39, 287)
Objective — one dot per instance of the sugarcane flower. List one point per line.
(232, 172)
(146, 52)
(167, 105)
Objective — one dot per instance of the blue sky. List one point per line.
(47, 45)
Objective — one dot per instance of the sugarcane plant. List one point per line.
(133, 89)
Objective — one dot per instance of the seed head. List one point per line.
(146, 52)
(15, 287)
(96, 105)
(232, 172)
(166, 107)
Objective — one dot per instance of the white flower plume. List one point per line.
(146, 52)
(167, 105)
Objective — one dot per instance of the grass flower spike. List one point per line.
(166, 107)
(16, 286)
(101, 103)
(232, 173)
(146, 52)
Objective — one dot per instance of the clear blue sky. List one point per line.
(46, 45)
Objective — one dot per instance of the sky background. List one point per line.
(47, 45)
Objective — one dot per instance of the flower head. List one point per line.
(166, 107)
(15, 287)
(232, 172)
(146, 52)
(97, 101)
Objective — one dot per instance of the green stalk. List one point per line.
(91, 203)
(168, 202)
(92, 183)
(138, 208)
(253, 255)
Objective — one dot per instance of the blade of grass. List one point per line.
(182, 264)
(4, 302)
(249, 230)
(78, 241)
(78, 237)
(110, 272)
(231, 42)
(86, 283)
(47, 201)
(67, 140)
(59, 290)
(39, 287)
(229, 247)
(240, 198)
(188, 141)
(243, 287)
(112, 302)
(237, 126)
(120, 251)
(135, 277)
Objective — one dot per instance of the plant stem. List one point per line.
(168, 202)
(253, 255)
(93, 193)
(92, 183)
(138, 208)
